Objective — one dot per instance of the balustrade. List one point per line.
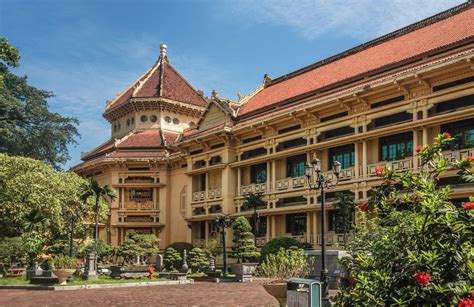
(400, 165)
(253, 188)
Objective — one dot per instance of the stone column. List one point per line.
(239, 180)
(315, 229)
(273, 234)
(308, 227)
(415, 144)
(364, 158)
(357, 162)
(268, 183)
(206, 233)
(425, 136)
(267, 231)
(273, 175)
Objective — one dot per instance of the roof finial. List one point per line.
(163, 48)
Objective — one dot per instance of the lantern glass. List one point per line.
(336, 167)
(308, 170)
(317, 165)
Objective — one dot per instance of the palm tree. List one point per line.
(35, 221)
(93, 189)
(345, 206)
(254, 201)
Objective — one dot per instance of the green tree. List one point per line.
(27, 127)
(99, 193)
(416, 247)
(254, 201)
(244, 244)
(139, 245)
(171, 259)
(30, 190)
(197, 259)
(345, 209)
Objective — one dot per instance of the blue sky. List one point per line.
(87, 51)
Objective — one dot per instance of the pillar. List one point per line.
(267, 231)
(315, 229)
(239, 180)
(364, 158)
(206, 233)
(155, 199)
(308, 227)
(357, 162)
(267, 185)
(415, 144)
(273, 175)
(273, 234)
(425, 136)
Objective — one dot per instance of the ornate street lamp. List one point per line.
(224, 221)
(318, 181)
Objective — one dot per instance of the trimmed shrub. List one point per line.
(244, 244)
(274, 245)
(197, 259)
(172, 259)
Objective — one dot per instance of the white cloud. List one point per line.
(361, 19)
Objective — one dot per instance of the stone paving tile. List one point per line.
(198, 294)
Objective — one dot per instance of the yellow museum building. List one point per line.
(177, 159)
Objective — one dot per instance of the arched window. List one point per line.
(175, 121)
(153, 118)
(168, 119)
(144, 118)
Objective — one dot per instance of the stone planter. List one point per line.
(278, 291)
(244, 271)
(128, 272)
(63, 275)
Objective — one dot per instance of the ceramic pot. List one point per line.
(278, 291)
(63, 275)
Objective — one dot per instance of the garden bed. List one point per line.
(102, 282)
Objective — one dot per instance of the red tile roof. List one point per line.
(161, 81)
(446, 32)
(133, 145)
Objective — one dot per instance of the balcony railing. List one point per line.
(400, 165)
(290, 183)
(300, 238)
(253, 188)
(334, 239)
(201, 243)
(199, 196)
(136, 206)
(453, 155)
(215, 193)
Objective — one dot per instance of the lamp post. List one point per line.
(73, 218)
(318, 181)
(224, 221)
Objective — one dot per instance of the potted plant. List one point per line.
(64, 267)
(278, 268)
(244, 250)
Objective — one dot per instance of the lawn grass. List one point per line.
(102, 280)
(13, 281)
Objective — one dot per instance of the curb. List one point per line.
(103, 286)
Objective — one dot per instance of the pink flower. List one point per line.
(379, 171)
(466, 302)
(468, 206)
(418, 148)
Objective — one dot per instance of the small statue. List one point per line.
(184, 267)
(212, 264)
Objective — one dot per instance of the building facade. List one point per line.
(178, 159)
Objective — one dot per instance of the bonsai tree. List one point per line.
(254, 201)
(285, 264)
(139, 245)
(416, 247)
(103, 250)
(197, 259)
(171, 259)
(244, 244)
(92, 188)
(64, 262)
(345, 209)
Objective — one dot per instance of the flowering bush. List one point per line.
(415, 246)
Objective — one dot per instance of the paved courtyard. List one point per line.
(205, 294)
